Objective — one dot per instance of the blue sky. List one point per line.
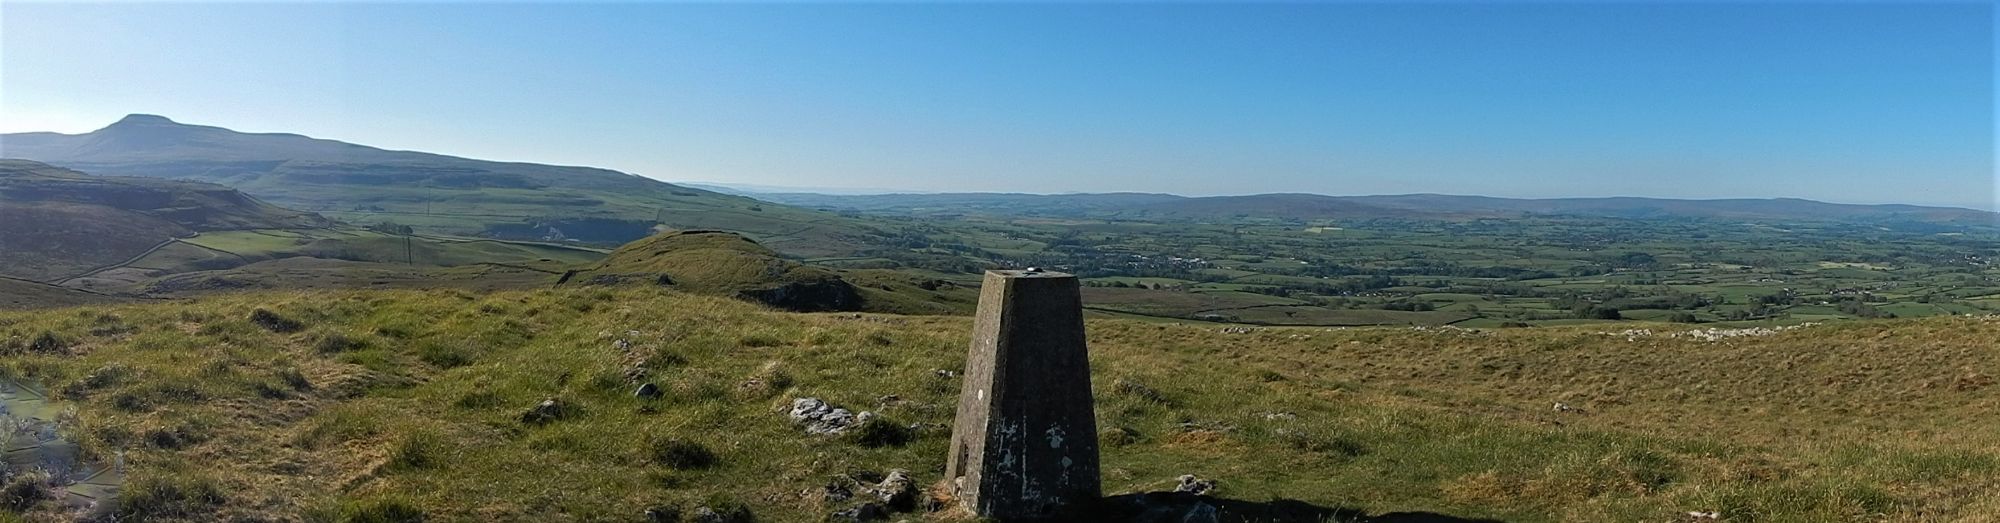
(1849, 101)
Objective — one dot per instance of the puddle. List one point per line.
(29, 441)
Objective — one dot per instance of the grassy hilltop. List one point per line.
(729, 264)
(342, 406)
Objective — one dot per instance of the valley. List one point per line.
(1732, 263)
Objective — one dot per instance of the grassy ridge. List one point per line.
(437, 193)
(391, 401)
(60, 222)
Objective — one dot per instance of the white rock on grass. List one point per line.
(820, 418)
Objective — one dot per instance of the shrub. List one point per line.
(1133, 389)
(336, 342)
(271, 321)
(338, 426)
(481, 399)
(416, 452)
(1326, 444)
(295, 379)
(878, 432)
(379, 510)
(177, 495)
(187, 432)
(760, 341)
(148, 397)
(681, 454)
(444, 356)
(25, 490)
(1118, 437)
(48, 343)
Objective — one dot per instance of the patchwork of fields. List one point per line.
(1485, 273)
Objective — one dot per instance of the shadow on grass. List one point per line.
(1171, 507)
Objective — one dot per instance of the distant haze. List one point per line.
(1862, 102)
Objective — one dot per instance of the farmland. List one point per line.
(1489, 272)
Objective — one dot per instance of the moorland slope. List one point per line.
(57, 223)
(433, 192)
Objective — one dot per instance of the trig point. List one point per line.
(1025, 441)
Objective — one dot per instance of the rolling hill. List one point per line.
(1307, 207)
(432, 192)
(951, 203)
(60, 223)
(728, 264)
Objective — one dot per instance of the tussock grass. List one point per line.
(223, 418)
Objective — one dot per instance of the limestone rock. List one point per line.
(819, 418)
(860, 513)
(736, 514)
(898, 491)
(1195, 485)
(546, 411)
(663, 515)
(648, 391)
(835, 493)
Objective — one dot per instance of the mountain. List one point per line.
(1306, 207)
(59, 222)
(431, 192)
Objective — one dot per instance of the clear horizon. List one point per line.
(1845, 102)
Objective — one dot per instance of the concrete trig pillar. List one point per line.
(1025, 440)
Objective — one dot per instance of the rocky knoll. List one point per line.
(724, 263)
